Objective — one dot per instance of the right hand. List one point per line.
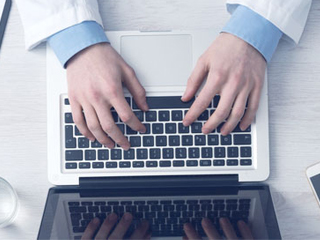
(95, 76)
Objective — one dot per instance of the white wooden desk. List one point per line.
(294, 101)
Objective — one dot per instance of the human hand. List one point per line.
(95, 76)
(95, 231)
(212, 232)
(235, 70)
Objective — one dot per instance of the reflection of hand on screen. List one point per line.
(212, 232)
(109, 229)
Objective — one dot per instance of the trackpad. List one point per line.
(159, 60)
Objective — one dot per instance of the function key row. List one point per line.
(163, 163)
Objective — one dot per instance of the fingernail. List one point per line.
(113, 217)
(205, 222)
(127, 217)
(186, 123)
(126, 147)
(186, 226)
(205, 131)
(96, 221)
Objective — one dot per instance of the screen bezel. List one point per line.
(312, 171)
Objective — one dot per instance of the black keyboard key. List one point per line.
(154, 153)
(187, 140)
(216, 100)
(129, 154)
(121, 127)
(93, 209)
(138, 164)
(79, 229)
(152, 164)
(182, 128)
(70, 141)
(237, 129)
(171, 128)
(181, 153)
(194, 153)
(161, 140)
(116, 154)
(135, 141)
(115, 116)
(219, 152)
(90, 155)
(130, 131)
(206, 152)
(157, 128)
(233, 152)
(142, 153)
(205, 163)
(168, 102)
(68, 118)
(176, 115)
(242, 139)
(204, 116)
(97, 165)
(84, 165)
(87, 216)
(200, 140)
(66, 101)
(225, 140)
(83, 142)
(148, 141)
(218, 162)
(167, 153)
(196, 127)
(103, 154)
(96, 144)
(164, 115)
(77, 132)
(232, 162)
(219, 127)
(151, 116)
(178, 163)
(71, 165)
(125, 164)
(174, 140)
(105, 208)
(74, 155)
(245, 151)
(245, 162)
(148, 128)
(192, 163)
(165, 163)
(213, 140)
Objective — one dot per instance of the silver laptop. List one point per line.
(163, 62)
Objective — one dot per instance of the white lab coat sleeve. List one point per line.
(289, 16)
(43, 18)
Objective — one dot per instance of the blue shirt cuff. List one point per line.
(72, 40)
(255, 30)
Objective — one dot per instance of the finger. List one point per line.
(135, 88)
(79, 120)
(185, 238)
(252, 108)
(244, 229)
(107, 226)
(196, 78)
(190, 231)
(109, 127)
(126, 115)
(221, 113)
(202, 101)
(148, 235)
(210, 229)
(141, 231)
(236, 113)
(227, 228)
(91, 229)
(95, 127)
(122, 227)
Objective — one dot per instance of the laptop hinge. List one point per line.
(158, 181)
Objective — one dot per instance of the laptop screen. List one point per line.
(69, 211)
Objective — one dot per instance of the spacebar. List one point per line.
(168, 102)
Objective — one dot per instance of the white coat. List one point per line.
(41, 19)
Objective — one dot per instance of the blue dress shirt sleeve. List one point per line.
(72, 40)
(255, 30)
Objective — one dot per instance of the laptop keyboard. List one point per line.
(165, 216)
(166, 144)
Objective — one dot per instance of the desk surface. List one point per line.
(294, 101)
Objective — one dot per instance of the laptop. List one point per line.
(166, 205)
(163, 62)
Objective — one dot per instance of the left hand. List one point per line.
(235, 70)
